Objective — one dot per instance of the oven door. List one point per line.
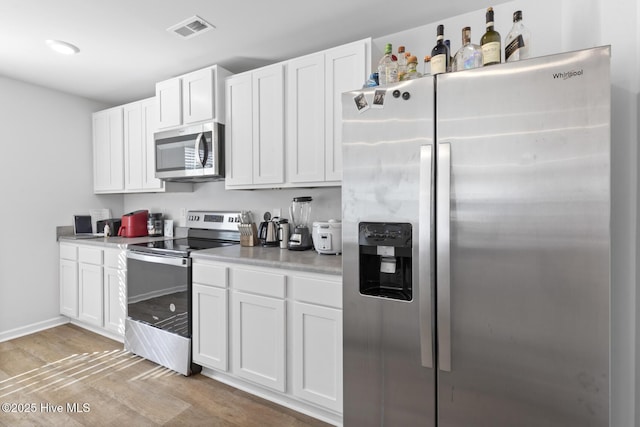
(192, 153)
(159, 292)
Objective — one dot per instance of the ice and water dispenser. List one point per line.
(385, 260)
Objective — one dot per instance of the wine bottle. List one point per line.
(439, 54)
(490, 42)
(518, 42)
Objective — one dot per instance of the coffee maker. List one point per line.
(300, 232)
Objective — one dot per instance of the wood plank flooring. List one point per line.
(97, 383)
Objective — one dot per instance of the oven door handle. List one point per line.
(159, 259)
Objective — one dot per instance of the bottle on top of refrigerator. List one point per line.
(469, 55)
(491, 42)
(439, 54)
(402, 63)
(447, 43)
(412, 68)
(426, 70)
(518, 41)
(387, 67)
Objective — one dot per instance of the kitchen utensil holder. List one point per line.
(248, 234)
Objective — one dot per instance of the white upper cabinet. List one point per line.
(255, 128)
(305, 119)
(307, 152)
(345, 67)
(108, 151)
(192, 98)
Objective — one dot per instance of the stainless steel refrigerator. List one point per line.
(476, 247)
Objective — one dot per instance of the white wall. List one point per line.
(560, 26)
(46, 175)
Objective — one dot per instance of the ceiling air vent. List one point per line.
(190, 27)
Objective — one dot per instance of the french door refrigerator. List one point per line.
(476, 247)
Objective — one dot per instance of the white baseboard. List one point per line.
(34, 327)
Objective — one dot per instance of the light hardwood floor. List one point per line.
(106, 386)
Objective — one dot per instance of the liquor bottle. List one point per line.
(469, 55)
(439, 54)
(387, 67)
(447, 43)
(490, 42)
(412, 68)
(402, 63)
(518, 42)
(426, 70)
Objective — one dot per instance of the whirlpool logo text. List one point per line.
(568, 74)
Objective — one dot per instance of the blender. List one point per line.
(300, 234)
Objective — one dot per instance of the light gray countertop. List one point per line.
(309, 261)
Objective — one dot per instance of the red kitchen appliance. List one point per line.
(134, 224)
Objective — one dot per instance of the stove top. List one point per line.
(181, 246)
(206, 230)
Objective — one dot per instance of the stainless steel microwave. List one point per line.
(191, 153)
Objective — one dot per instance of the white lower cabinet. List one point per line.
(259, 346)
(272, 331)
(210, 326)
(93, 287)
(317, 354)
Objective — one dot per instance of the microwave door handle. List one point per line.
(198, 140)
(206, 150)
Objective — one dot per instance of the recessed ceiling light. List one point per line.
(63, 47)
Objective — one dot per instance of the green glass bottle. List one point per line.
(491, 43)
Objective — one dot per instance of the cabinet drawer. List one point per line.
(69, 252)
(259, 282)
(207, 274)
(114, 258)
(315, 290)
(90, 255)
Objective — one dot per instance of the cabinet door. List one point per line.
(305, 119)
(239, 130)
(345, 69)
(210, 326)
(134, 147)
(317, 355)
(69, 288)
(90, 281)
(259, 340)
(108, 151)
(197, 96)
(150, 125)
(268, 125)
(115, 299)
(169, 99)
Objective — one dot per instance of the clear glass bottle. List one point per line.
(387, 67)
(491, 42)
(518, 41)
(412, 68)
(469, 55)
(426, 70)
(402, 63)
(440, 54)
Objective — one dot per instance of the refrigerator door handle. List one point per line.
(443, 255)
(425, 252)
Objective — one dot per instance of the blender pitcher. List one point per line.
(300, 233)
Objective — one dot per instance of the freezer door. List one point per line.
(523, 319)
(388, 343)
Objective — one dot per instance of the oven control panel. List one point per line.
(213, 220)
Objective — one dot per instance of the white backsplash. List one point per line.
(212, 196)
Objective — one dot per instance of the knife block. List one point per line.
(248, 234)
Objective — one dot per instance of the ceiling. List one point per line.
(125, 47)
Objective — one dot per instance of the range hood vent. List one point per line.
(190, 27)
